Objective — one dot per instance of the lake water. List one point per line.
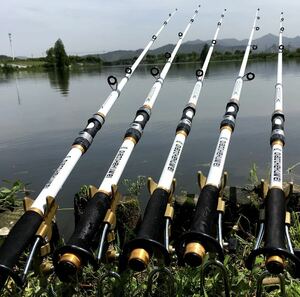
(42, 113)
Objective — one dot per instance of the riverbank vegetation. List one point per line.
(239, 229)
(57, 58)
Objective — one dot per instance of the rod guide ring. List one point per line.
(281, 47)
(282, 29)
(257, 28)
(155, 71)
(165, 22)
(112, 80)
(167, 55)
(128, 70)
(254, 47)
(214, 41)
(282, 19)
(180, 34)
(258, 18)
(154, 37)
(219, 24)
(171, 14)
(250, 76)
(222, 15)
(199, 72)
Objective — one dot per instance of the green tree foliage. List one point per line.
(204, 52)
(56, 56)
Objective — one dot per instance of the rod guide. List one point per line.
(112, 82)
(199, 73)
(155, 71)
(167, 55)
(128, 70)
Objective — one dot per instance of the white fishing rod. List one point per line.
(83, 142)
(274, 227)
(69, 259)
(153, 233)
(18, 240)
(200, 239)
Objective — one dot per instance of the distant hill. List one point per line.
(3, 57)
(266, 43)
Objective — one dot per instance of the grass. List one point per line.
(186, 280)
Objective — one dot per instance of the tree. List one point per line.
(204, 52)
(61, 58)
(50, 59)
(56, 56)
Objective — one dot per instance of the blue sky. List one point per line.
(105, 25)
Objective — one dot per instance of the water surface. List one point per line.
(42, 113)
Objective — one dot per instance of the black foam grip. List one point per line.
(206, 211)
(152, 226)
(19, 238)
(275, 207)
(90, 221)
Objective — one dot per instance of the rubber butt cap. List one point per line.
(138, 260)
(275, 265)
(67, 267)
(194, 254)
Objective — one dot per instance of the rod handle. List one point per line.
(69, 259)
(275, 209)
(205, 215)
(153, 223)
(150, 234)
(19, 238)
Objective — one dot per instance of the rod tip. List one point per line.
(225, 9)
(258, 9)
(176, 9)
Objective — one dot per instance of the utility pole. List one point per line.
(11, 46)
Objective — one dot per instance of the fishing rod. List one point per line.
(275, 220)
(78, 251)
(200, 239)
(25, 230)
(153, 233)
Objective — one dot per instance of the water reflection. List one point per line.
(59, 80)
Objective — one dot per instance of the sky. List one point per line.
(98, 26)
